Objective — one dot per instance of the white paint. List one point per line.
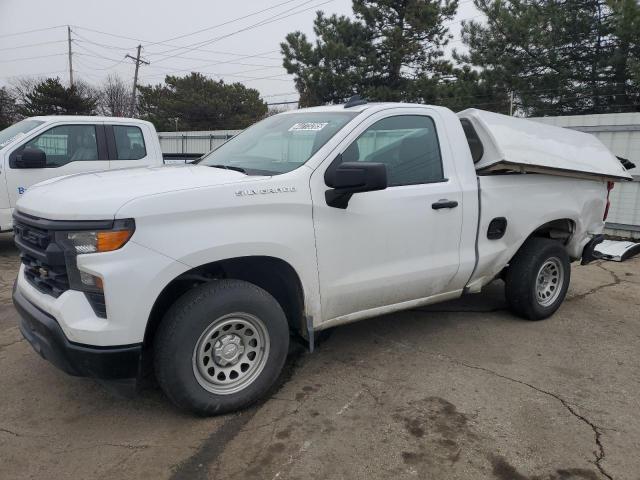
(526, 144)
(624, 214)
(389, 250)
(15, 181)
(615, 250)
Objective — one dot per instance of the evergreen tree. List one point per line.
(558, 56)
(200, 103)
(50, 97)
(391, 51)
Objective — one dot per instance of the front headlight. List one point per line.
(100, 240)
(92, 241)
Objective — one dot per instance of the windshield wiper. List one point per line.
(229, 167)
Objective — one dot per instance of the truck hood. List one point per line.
(99, 195)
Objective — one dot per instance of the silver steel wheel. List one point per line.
(549, 281)
(231, 353)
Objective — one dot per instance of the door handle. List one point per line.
(444, 203)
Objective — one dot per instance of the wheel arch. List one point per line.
(272, 274)
(561, 229)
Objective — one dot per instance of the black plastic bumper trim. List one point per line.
(46, 337)
(589, 253)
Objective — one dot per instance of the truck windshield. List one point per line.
(17, 129)
(278, 144)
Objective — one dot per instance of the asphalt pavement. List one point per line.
(462, 390)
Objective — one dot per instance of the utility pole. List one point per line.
(70, 63)
(137, 61)
(511, 103)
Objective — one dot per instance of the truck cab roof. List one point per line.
(371, 107)
(87, 118)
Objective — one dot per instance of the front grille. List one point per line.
(43, 259)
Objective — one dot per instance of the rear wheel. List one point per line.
(221, 347)
(537, 279)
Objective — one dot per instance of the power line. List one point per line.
(17, 47)
(230, 61)
(83, 39)
(95, 67)
(96, 55)
(251, 79)
(31, 58)
(100, 32)
(271, 19)
(198, 67)
(206, 42)
(35, 74)
(222, 24)
(30, 31)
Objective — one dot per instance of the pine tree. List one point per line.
(200, 103)
(50, 97)
(392, 50)
(558, 56)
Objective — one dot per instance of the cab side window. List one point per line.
(129, 143)
(67, 143)
(406, 144)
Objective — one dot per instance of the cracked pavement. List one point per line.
(460, 390)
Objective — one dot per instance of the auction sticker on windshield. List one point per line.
(308, 127)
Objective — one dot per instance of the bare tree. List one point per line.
(7, 108)
(275, 110)
(20, 88)
(115, 97)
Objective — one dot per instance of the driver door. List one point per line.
(389, 246)
(69, 149)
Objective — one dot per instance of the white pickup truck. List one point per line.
(39, 148)
(307, 220)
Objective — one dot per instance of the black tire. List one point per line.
(184, 326)
(522, 279)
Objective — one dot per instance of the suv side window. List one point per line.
(129, 143)
(67, 143)
(406, 144)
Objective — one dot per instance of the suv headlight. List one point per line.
(91, 241)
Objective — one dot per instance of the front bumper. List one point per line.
(6, 221)
(47, 338)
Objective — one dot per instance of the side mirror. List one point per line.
(353, 177)
(31, 158)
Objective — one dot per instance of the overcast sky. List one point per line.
(229, 47)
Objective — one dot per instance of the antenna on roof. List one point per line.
(354, 101)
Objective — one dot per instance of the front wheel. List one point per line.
(221, 347)
(538, 279)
